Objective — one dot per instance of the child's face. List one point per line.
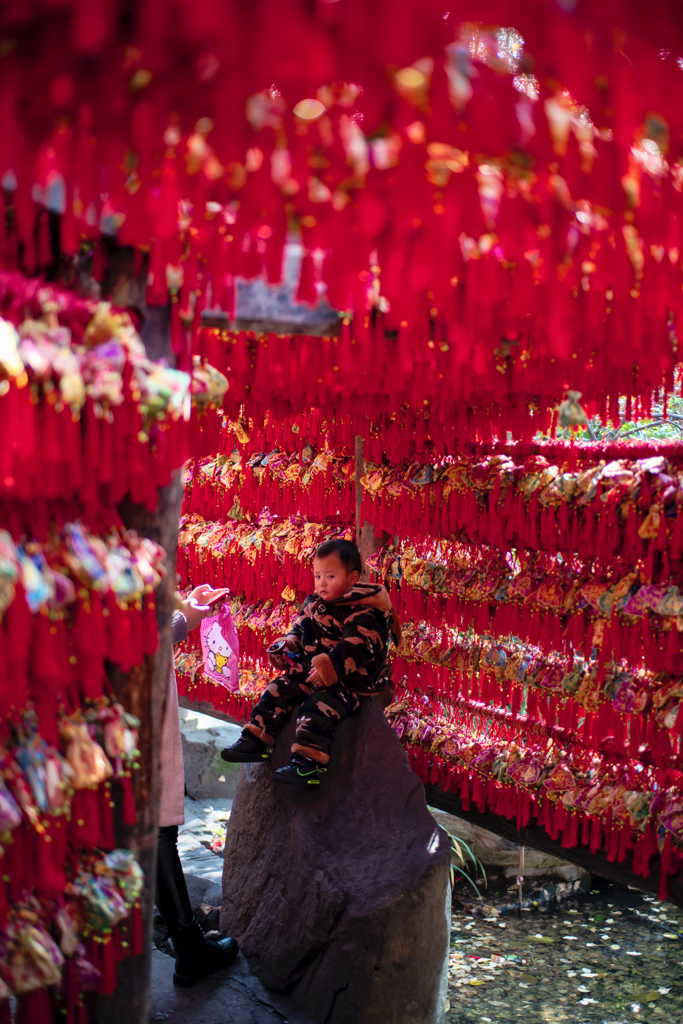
(331, 577)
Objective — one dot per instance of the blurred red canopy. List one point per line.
(477, 173)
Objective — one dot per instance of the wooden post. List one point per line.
(360, 469)
(143, 692)
(366, 540)
(520, 876)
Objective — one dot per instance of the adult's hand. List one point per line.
(200, 603)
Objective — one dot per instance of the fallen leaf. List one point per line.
(650, 996)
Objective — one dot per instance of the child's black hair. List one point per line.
(345, 550)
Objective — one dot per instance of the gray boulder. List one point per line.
(340, 897)
(500, 857)
(207, 776)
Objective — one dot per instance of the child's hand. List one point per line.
(315, 679)
(277, 661)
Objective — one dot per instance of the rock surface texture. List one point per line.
(338, 897)
(206, 774)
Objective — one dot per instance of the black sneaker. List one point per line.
(300, 771)
(247, 749)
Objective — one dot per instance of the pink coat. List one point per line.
(172, 806)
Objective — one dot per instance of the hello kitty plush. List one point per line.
(220, 648)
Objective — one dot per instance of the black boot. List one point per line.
(196, 956)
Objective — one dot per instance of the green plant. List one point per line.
(657, 427)
(462, 857)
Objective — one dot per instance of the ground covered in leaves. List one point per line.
(609, 956)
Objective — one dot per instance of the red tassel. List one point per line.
(578, 631)
(128, 810)
(677, 538)
(585, 829)
(587, 545)
(306, 291)
(613, 848)
(34, 1007)
(664, 867)
(625, 843)
(50, 881)
(108, 836)
(672, 648)
(596, 834)
(465, 791)
(558, 822)
(570, 835)
(107, 983)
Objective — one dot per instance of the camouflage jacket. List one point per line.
(347, 639)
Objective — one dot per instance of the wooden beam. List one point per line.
(538, 839)
(203, 707)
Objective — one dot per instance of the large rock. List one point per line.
(340, 897)
(206, 774)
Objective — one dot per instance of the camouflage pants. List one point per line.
(320, 713)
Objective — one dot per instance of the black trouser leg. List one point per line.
(196, 956)
(271, 714)
(172, 898)
(318, 718)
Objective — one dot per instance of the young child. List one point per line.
(339, 642)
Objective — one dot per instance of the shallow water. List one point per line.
(611, 956)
